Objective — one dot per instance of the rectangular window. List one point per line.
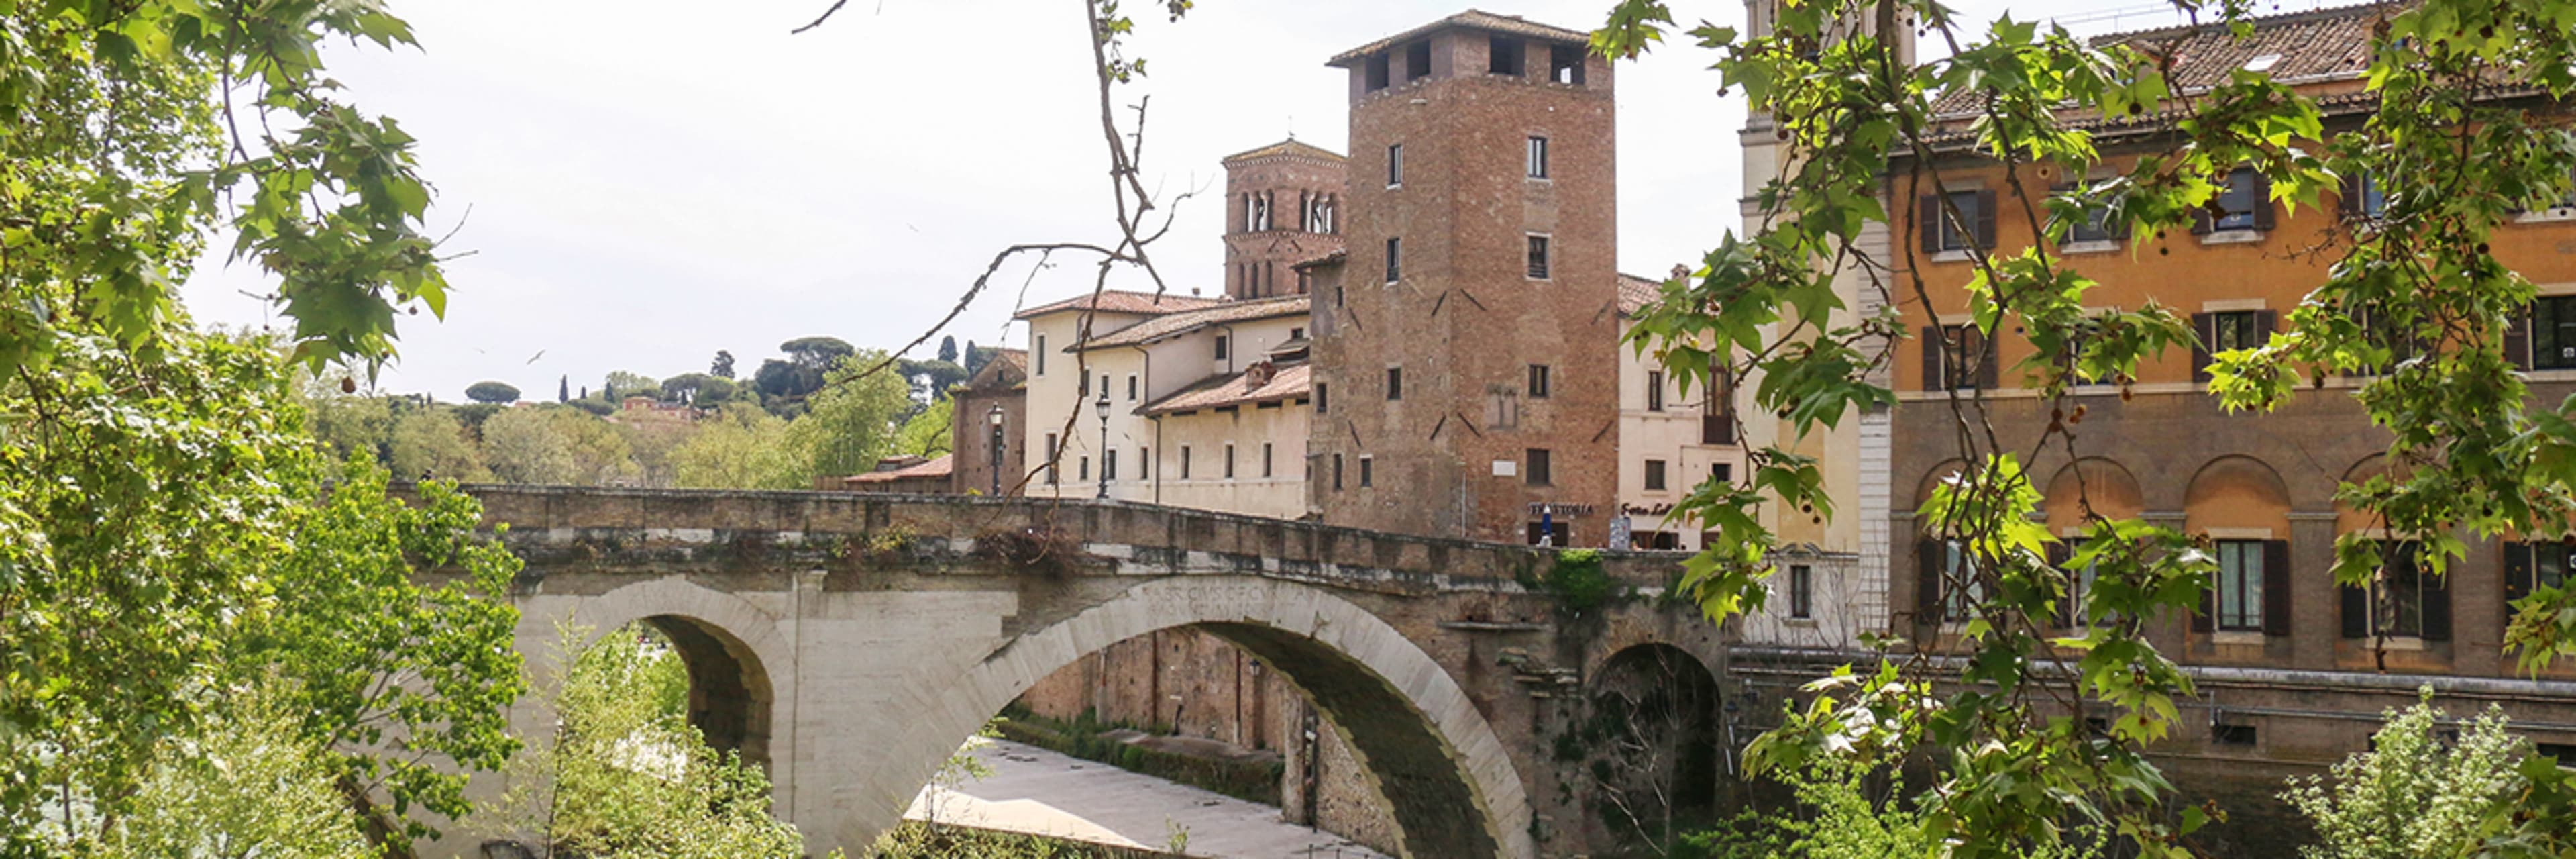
(1395, 383)
(1537, 157)
(1368, 471)
(1265, 459)
(1802, 591)
(1337, 471)
(1131, 387)
(2237, 330)
(2232, 735)
(1538, 381)
(1538, 257)
(1537, 468)
(1377, 72)
(1717, 410)
(2242, 202)
(1395, 166)
(1654, 475)
(2553, 332)
(1654, 390)
(1323, 398)
(2404, 601)
(1723, 472)
(1394, 259)
(1109, 465)
(1222, 347)
(1104, 386)
(1565, 63)
(1503, 56)
(2240, 585)
(1084, 471)
(2092, 226)
(1960, 358)
(1953, 238)
(2363, 197)
(1185, 462)
(1417, 61)
(1554, 532)
(1144, 463)
(1957, 586)
(1055, 476)
(1229, 460)
(1041, 350)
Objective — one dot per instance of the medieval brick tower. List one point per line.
(1283, 207)
(1466, 379)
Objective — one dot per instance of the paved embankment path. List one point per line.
(1036, 791)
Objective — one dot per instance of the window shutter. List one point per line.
(1935, 340)
(2264, 211)
(1973, 341)
(1985, 219)
(2517, 340)
(2205, 327)
(2518, 577)
(1928, 556)
(1927, 222)
(2206, 620)
(2067, 607)
(2348, 196)
(2200, 219)
(2266, 322)
(2437, 606)
(2356, 611)
(2276, 587)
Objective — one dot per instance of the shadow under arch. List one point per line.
(1447, 776)
(1655, 708)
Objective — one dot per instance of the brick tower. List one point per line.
(1466, 375)
(1283, 204)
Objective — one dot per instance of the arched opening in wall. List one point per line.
(2243, 507)
(729, 698)
(1243, 709)
(1649, 747)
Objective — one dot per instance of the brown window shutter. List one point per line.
(2264, 212)
(2437, 606)
(2206, 619)
(2201, 223)
(1985, 351)
(2356, 611)
(2205, 329)
(2276, 587)
(2348, 196)
(2067, 607)
(1928, 556)
(2266, 322)
(2518, 577)
(1935, 340)
(1985, 219)
(2517, 340)
(1927, 222)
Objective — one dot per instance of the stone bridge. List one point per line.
(850, 642)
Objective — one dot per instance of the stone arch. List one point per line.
(1663, 702)
(741, 674)
(1417, 733)
(2237, 493)
(2112, 491)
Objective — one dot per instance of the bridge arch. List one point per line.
(741, 673)
(1418, 735)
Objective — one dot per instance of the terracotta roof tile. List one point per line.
(1172, 324)
(1290, 146)
(1288, 383)
(1123, 301)
(2315, 45)
(942, 466)
(1635, 292)
(1471, 19)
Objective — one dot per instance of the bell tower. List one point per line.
(1283, 207)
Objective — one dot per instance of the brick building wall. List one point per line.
(1432, 411)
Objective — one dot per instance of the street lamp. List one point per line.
(1102, 407)
(994, 417)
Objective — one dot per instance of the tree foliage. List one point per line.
(741, 447)
(497, 393)
(850, 424)
(2413, 794)
(927, 433)
(2461, 127)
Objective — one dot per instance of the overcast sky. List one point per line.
(642, 183)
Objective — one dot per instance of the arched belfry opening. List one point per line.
(729, 690)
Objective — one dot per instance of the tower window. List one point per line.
(1417, 61)
(1368, 471)
(1395, 383)
(1394, 259)
(1537, 470)
(1538, 257)
(1565, 64)
(1395, 166)
(1538, 381)
(1260, 219)
(1377, 72)
(1537, 157)
(1337, 471)
(1323, 398)
(1503, 56)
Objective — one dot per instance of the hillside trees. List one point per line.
(2452, 159)
(499, 393)
(848, 426)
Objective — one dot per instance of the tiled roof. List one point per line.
(1471, 19)
(1290, 382)
(942, 466)
(1290, 146)
(2316, 45)
(1334, 258)
(1008, 368)
(1635, 292)
(1123, 301)
(1172, 324)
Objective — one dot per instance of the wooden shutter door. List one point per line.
(2356, 611)
(2264, 211)
(2437, 606)
(1935, 340)
(2276, 587)
(2205, 327)
(1985, 219)
(1927, 222)
(2067, 606)
(2517, 340)
(2518, 573)
(1928, 557)
(2206, 619)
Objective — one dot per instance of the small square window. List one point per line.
(1654, 475)
(1538, 257)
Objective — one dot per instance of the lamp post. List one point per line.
(1101, 406)
(994, 418)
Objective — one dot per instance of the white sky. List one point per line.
(652, 181)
